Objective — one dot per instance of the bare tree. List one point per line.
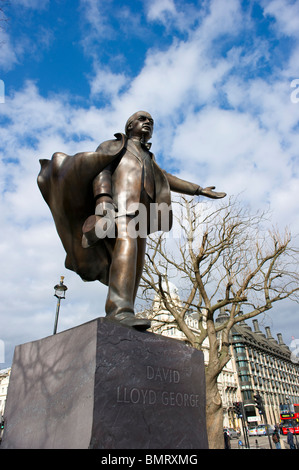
(222, 257)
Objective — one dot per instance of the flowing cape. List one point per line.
(66, 185)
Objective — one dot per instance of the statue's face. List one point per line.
(142, 126)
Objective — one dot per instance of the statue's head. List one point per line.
(141, 125)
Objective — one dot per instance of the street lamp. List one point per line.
(60, 294)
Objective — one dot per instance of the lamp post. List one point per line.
(60, 294)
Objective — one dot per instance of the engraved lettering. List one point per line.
(122, 395)
(158, 375)
(152, 397)
(176, 376)
(164, 398)
(144, 395)
(150, 372)
(136, 396)
(186, 399)
(179, 399)
(163, 374)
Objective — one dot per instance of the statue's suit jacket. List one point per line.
(67, 185)
(128, 176)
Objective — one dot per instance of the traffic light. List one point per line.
(259, 403)
(1, 423)
(238, 409)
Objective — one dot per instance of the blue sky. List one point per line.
(216, 76)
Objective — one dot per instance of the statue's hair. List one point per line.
(133, 117)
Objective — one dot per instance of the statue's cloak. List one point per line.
(66, 184)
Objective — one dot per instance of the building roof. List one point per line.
(256, 338)
(5, 372)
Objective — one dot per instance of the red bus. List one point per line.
(289, 418)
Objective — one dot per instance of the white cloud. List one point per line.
(14, 50)
(284, 201)
(286, 14)
(160, 9)
(222, 18)
(94, 15)
(250, 148)
(225, 141)
(107, 83)
(32, 257)
(214, 18)
(8, 57)
(31, 113)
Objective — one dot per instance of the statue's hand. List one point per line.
(105, 207)
(101, 224)
(208, 192)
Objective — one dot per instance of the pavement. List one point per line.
(259, 442)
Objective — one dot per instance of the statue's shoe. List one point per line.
(129, 319)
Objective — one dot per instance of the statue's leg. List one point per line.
(141, 247)
(125, 272)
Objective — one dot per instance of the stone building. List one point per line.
(264, 365)
(4, 380)
(258, 363)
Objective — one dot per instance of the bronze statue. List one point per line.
(96, 198)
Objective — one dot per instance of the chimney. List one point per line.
(244, 325)
(223, 316)
(256, 327)
(280, 340)
(282, 343)
(269, 334)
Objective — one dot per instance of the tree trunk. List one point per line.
(214, 414)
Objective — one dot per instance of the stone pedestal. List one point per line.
(105, 386)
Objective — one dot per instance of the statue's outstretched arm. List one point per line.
(185, 187)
